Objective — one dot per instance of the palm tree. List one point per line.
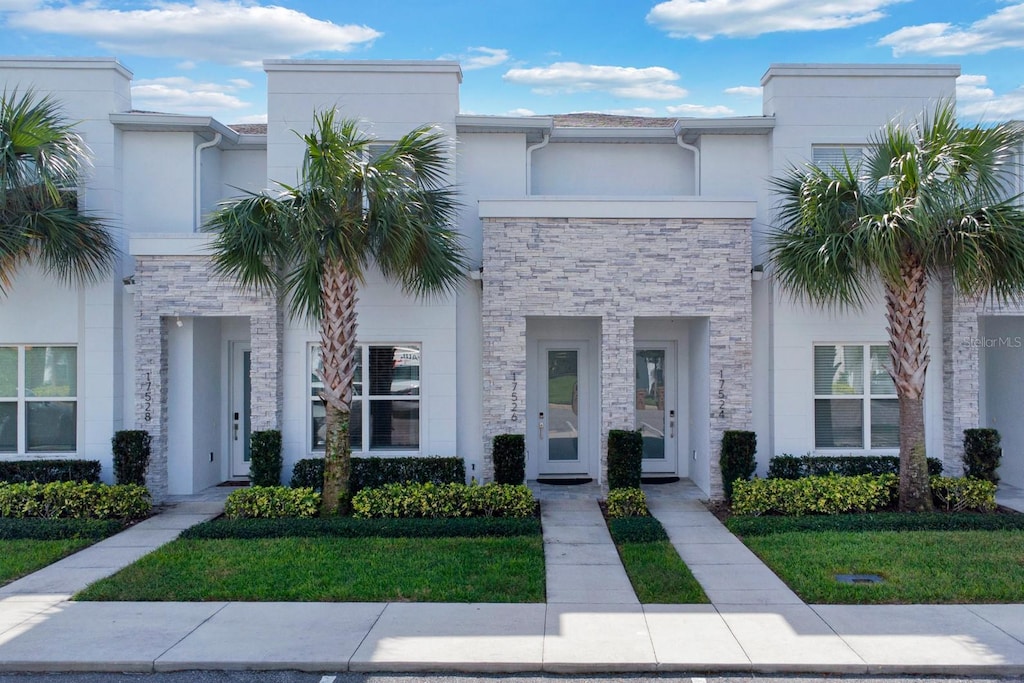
(41, 164)
(353, 206)
(929, 200)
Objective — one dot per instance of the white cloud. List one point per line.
(483, 58)
(653, 82)
(975, 100)
(521, 112)
(699, 110)
(225, 31)
(705, 19)
(1003, 29)
(745, 90)
(180, 95)
(18, 5)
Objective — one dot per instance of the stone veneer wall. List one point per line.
(618, 270)
(169, 286)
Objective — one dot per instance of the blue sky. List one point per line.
(672, 58)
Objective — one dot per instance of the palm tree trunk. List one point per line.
(338, 352)
(908, 348)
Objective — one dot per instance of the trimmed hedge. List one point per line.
(877, 521)
(375, 472)
(266, 502)
(631, 502)
(957, 494)
(982, 454)
(625, 458)
(636, 530)
(36, 529)
(46, 471)
(815, 495)
(444, 500)
(132, 450)
(265, 463)
(738, 460)
(68, 499)
(797, 467)
(347, 527)
(509, 456)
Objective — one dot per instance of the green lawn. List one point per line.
(918, 566)
(19, 557)
(334, 569)
(658, 574)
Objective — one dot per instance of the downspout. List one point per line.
(696, 161)
(197, 198)
(529, 161)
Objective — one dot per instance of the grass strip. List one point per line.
(917, 566)
(658, 574)
(22, 556)
(348, 527)
(878, 521)
(330, 569)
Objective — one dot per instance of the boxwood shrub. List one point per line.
(509, 456)
(738, 460)
(815, 495)
(46, 471)
(444, 500)
(982, 454)
(265, 465)
(795, 467)
(37, 529)
(265, 502)
(876, 521)
(374, 472)
(348, 527)
(636, 530)
(631, 502)
(625, 458)
(77, 500)
(132, 450)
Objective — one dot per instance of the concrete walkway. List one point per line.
(751, 625)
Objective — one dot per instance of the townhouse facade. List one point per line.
(617, 281)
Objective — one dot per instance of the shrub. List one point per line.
(631, 502)
(876, 521)
(375, 472)
(964, 493)
(738, 460)
(265, 502)
(636, 530)
(37, 529)
(444, 500)
(982, 454)
(815, 495)
(76, 500)
(509, 456)
(795, 467)
(347, 527)
(131, 456)
(625, 458)
(265, 463)
(46, 471)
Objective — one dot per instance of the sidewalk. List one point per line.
(752, 625)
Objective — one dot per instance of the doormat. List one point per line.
(658, 480)
(234, 482)
(562, 481)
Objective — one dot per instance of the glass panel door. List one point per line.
(655, 406)
(563, 423)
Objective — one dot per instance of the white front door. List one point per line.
(563, 419)
(239, 409)
(657, 416)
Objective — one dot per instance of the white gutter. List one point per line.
(197, 198)
(529, 161)
(696, 162)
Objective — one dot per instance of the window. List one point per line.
(38, 399)
(385, 401)
(855, 403)
(836, 156)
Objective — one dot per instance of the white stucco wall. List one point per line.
(159, 182)
(1001, 351)
(616, 170)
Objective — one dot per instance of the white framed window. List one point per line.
(855, 404)
(38, 399)
(385, 399)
